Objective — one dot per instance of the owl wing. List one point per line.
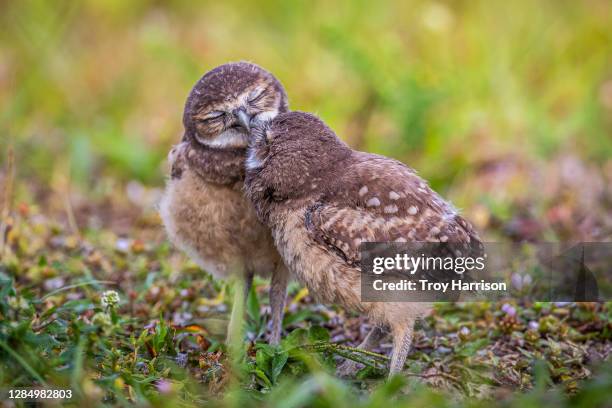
(176, 160)
(384, 201)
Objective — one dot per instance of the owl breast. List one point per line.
(216, 226)
(327, 277)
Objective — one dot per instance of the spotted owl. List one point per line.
(322, 200)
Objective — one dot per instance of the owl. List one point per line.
(322, 200)
(203, 209)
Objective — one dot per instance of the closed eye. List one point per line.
(256, 96)
(212, 116)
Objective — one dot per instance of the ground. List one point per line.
(159, 336)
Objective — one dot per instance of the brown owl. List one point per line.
(203, 208)
(322, 199)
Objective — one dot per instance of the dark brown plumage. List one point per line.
(203, 209)
(322, 199)
(223, 102)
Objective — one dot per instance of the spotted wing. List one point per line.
(383, 201)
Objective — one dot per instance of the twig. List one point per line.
(349, 352)
(345, 352)
(339, 347)
(363, 351)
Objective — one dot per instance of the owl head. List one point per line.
(224, 102)
(292, 155)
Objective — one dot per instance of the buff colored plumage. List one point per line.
(322, 199)
(203, 209)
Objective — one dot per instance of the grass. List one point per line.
(121, 320)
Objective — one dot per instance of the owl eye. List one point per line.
(256, 96)
(212, 116)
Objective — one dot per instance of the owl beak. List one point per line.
(243, 118)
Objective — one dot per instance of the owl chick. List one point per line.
(203, 209)
(322, 199)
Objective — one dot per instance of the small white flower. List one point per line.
(533, 325)
(110, 298)
(123, 245)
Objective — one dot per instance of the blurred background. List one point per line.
(505, 107)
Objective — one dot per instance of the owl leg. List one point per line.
(402, 339)
(278, 293)
(349, 367)
(248, 282)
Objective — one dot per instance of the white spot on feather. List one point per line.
(413, 210)
(394, 196)
(373, 202)
(363, 191)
